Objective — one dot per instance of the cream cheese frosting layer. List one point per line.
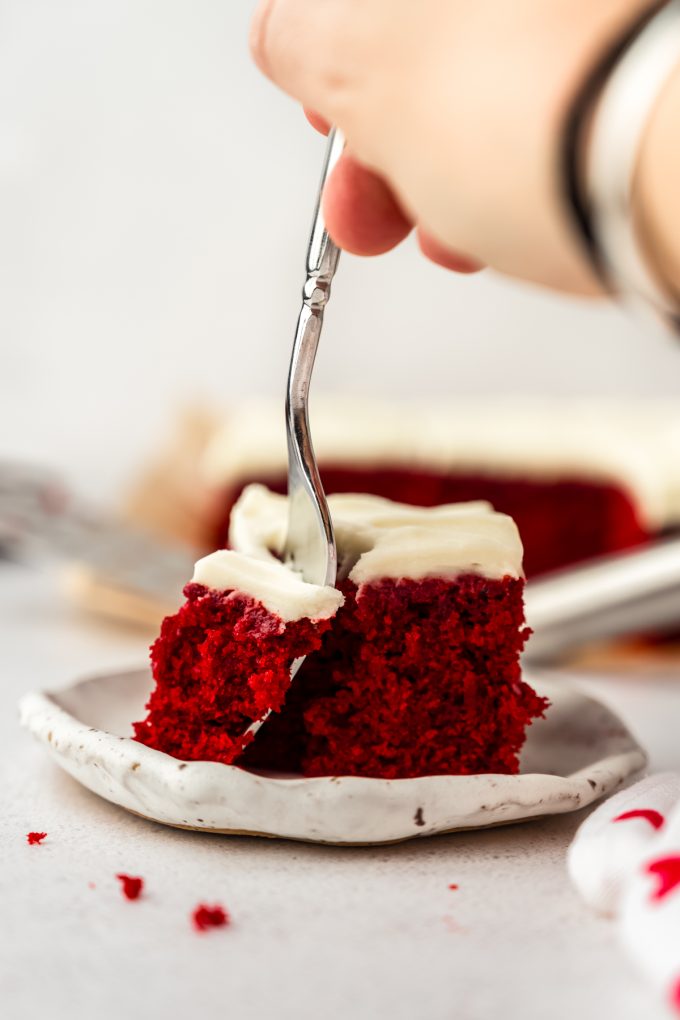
(268, 581)
(423, 552)
(381, 539)
(635, 445)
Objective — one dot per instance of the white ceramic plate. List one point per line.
(580, 752)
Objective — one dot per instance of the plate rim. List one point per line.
(41, 714)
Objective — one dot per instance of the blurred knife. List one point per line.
(626, 593)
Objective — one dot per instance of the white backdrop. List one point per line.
(155, 195)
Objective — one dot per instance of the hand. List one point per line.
(364, 216)
(453, 111)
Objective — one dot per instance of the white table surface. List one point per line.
(316, 932)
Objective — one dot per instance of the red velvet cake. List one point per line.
(580, 480)
(411, 669)
(222, 663)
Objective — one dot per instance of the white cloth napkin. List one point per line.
(625, 862)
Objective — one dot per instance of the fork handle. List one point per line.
(305, 490)
(322, 261)
(322, 252)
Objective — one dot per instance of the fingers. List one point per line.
(435, 251)
(304, 47)
(361, 212)
(259, 34)
(362, 215)
(301, 46)
(318, 122)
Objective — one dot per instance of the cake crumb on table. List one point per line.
(131, 886)
(205, 917)
(35, 837)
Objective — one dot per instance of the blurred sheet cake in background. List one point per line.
(581, 478)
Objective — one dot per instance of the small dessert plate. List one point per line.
(577, 754)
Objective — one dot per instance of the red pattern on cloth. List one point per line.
(667, 872)
(35, 837)
(674, 997)
(655, 818)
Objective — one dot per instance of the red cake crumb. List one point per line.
(453, 886)
(205, 917)
(561, 521)
(221, 663)
(415, 677)
(131, 886)
(35, 837)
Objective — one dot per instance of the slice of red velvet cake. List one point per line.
(222, 663)
(412, 670)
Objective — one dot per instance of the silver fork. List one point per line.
(310, 542)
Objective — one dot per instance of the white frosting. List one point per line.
(469, 548)
(385, 539)
(280, 590)
(636, 447)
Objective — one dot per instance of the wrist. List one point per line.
(619, 164)
(550, 51)
(592, 38)
(656, 193)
